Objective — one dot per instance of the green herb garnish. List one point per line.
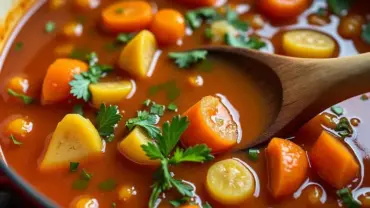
(85, 175)
(18, 46)
(114, 205)
(172, 107)
(107, 119)
(322, 12)
(146, 121)
(124, 37)
(78, 53)
(346, 196)
(194, 18)
(206, 205)
(26, 99)
(147, 102)
(78, 109)
(170, 88)
(80, 184)
(157, 109)
(179, 202)
(208, 33)
(233, 19)
(14, 140)
(108, 185)
(253, 154)
(242, 41)
(339, 7)
(337, 110)
(73, 166)
(50, 26)
(161, 150)
(344, 128)
(365, 35)
(186, 59)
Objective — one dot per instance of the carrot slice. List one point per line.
(283, 8)
(56, 82)
(333, 162)
(128, 16)
(168, 26)
(210, 124)
(287, 164)
(198, 3)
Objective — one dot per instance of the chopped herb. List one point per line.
(339, 7)
(14, 140)
(147, 102)
(243, 42)
(119, 11)
(79, 54)
(194, 18)
(108, 185)
(206, 205)
(80, 184)
(179, 202)
(170, 88)
(346, 196)
(162, 148)
(172, 107)
(78, 109)
(365, 35)
(124, 37)
(157, 109)
(146, 121)
(186, 59)
(85, 175)
(18, 46)
(253, 154)
(364, 97)
(80, 83)
(322, 12)
(205, 66)
(233, 18)
(208, 33)
(73, 166)
(344, 128)
(114, 205)
(337, 110)
(107, 119)
(50, 26)
(26, 99)
(109, 138)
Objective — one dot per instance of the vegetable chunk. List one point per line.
(168, 26)
(219, 29)
(229, 182)
(287, 164)
(109, 93)
(75, 139)
(210, 124)
(130, 147)
(333, 162)
(138, 54)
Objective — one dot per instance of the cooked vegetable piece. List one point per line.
(308, 44)
(125, 192)
(219, 29)
(130, 147)
(210, 124)
(87, 4)
(19, 128)
(130, 16)
(351, 26)
(333, 162)
(195, 81)
(168, 26)
(283, 9)
(74, 139)
(198, 3)
(56, 82)
(109, 93)
(73, 30)
(230, 182)
(138, 54)
(287, 164)
(84, 201)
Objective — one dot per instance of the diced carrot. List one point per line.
(18, 84)
(333, 162)
(127, 16)
(56, 82)
(73, 30)
(189, 206)
(287, 164)
(282, 8)
(199, 3)
(168, 26)
(210, 124)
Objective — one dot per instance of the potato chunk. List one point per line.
(130, 147)
(138, 54)
(219, 29)
(74, 140)
(109, 92)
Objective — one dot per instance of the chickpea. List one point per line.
(195, 81)
(18, 84)
(73, 30)
(125, 192)
(19, 128)
(351, 26)
(87, 4)
(85, 202)
(328, 120)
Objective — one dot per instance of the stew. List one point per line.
(105, 105)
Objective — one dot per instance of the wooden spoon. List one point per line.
(297, 89)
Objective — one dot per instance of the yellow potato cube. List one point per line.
(136, 57)
(130, 147)
(74, 140)
(109, 93)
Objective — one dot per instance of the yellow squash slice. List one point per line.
(138, 54)
(74, 140)
(109, 93)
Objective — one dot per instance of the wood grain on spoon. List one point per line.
(297, 89)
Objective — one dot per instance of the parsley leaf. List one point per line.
(85, 175)
(244, 42)
(50, 26)
(80, 87)
(194, 18)
(253, 154)
(179, 202)
(339, 7)
(157, 109)
(78, 109)
(152, 151)
(73, 166)
(107, 119)
(185, 59)
(365, 35)
(147, 122)
(346, 196)
(26, 99)
(14, 140)
(197, 153)
(208, 33)
(170, 87)
(18, 46)
(344, 128)
(172, 107)
(108, 185)
(78, 53)
(124, 38)
(147, 102)
(233, 18)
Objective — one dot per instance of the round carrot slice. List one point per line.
(283, 8)
(210, 124)
(168, 26)
(287, 164)
(128, 16)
